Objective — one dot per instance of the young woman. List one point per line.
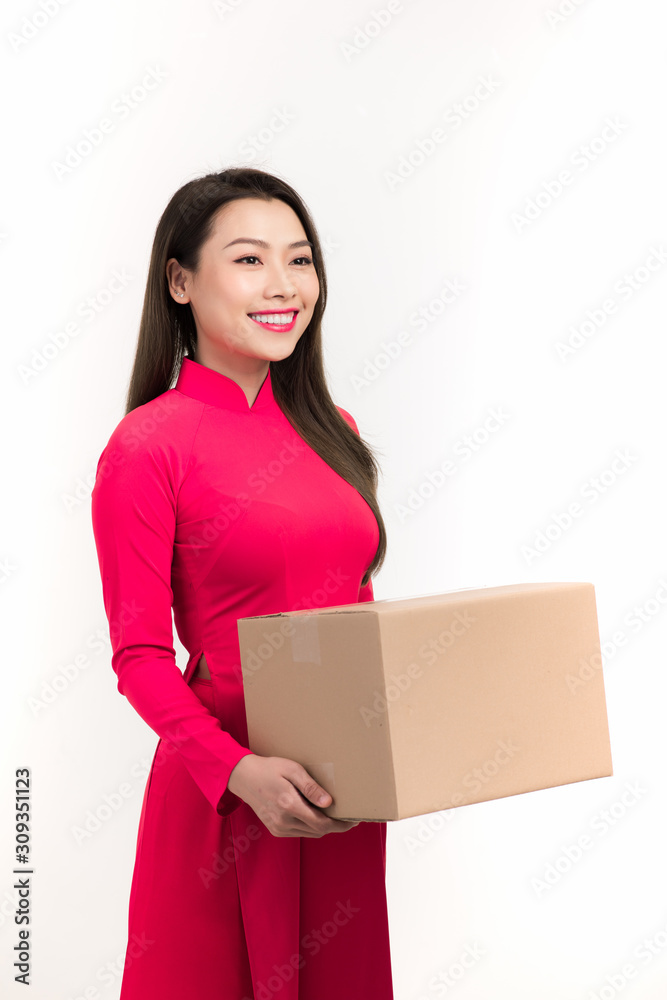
(241, 490)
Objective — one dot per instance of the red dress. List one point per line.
(221, 510)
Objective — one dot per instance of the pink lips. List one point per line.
(277, 327)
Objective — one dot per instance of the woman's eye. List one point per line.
(252, 256)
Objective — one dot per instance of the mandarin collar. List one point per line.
(210, 386)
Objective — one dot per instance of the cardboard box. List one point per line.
(400, 707)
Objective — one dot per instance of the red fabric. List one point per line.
(221, 511)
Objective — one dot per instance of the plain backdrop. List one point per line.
(489, 181)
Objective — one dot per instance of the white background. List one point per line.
(361, 101)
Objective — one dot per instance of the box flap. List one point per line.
(388, 605)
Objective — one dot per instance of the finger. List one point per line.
(306, 785)
(302, 818)
(300, 806)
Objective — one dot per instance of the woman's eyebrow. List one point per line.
(267, 246)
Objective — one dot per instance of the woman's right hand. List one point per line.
(284, 796)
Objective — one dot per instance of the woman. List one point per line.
(243, 490)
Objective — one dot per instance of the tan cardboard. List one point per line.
(400, 707)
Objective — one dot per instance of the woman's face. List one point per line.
(257, 260)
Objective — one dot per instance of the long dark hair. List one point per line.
(168, 333)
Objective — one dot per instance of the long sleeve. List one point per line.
(134, 520)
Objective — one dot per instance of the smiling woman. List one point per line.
(238, 302)
(247, 491)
